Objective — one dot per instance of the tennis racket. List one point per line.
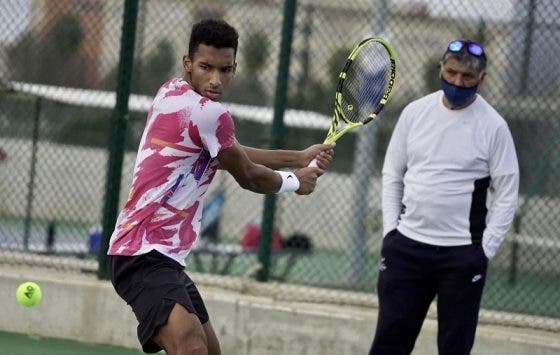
(364, 87)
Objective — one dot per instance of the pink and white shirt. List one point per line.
(175, 164)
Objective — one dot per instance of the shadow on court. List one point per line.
(20, 344)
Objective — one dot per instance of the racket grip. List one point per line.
(313, 163)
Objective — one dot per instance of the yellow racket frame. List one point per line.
(333, 135)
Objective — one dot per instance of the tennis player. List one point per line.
(450, 185)
(188, 135)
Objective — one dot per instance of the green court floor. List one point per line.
(20, 344)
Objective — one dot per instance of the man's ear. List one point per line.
(482, 76)
(187, 64)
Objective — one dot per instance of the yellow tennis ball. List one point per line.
(29, 294)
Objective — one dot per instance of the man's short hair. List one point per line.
(215, 33)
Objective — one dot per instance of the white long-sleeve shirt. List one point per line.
(450, 177)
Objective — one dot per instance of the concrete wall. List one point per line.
(249, 318)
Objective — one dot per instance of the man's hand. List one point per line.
(308, 179)
(323, 152)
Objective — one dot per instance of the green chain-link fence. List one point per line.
(59, 69)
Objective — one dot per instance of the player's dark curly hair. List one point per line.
(215, 33)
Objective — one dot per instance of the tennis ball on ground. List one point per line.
(29, 294)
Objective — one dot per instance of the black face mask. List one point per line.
(457, 95)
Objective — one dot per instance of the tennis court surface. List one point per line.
(21, 344)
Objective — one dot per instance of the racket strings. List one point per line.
(365, 84)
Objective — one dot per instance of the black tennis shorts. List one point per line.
(151, 284)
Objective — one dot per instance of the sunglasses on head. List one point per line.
(473, 48)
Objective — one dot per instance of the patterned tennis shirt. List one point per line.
(176, 161)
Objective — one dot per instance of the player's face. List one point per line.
(460, 74)
(210, 70)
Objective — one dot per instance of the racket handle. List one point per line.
(313, 163)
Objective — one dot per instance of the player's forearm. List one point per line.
(501, 212)
(259, 179)
(275, 159)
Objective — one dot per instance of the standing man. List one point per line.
(188, 136)
(450, 183)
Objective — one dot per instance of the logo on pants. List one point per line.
(382, 265)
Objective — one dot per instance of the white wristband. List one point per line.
(290, 182)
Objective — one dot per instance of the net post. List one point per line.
(118, 130)
(277, 134)
(512, 277)
(32, 173)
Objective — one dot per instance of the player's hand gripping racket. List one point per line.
(364, 87)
